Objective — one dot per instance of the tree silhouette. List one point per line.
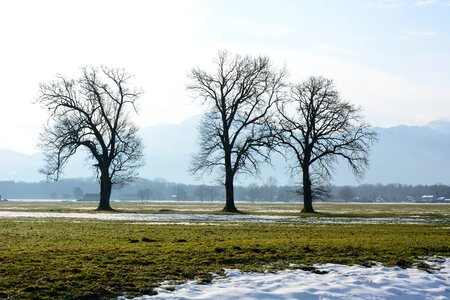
(346, 193)
(234, 132)
(271, 185)
(317, 128)
(78, 193)
(94, 113)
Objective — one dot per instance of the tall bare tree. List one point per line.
(318, 128)
(234, 132)
(94, 113)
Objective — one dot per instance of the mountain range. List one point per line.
(403, 154)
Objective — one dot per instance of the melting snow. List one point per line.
(341, 282)
(207, 218)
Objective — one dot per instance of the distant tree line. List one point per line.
(146, 190)
(389, 192)
(160, 189)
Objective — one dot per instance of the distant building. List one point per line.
(439, 199)
(379, 199)
(427, 198)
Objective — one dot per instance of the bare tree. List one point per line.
(271, 185)
(347, 193)
(147, 193)
(144, 194)
(234, 132)
(78, 193)
(94, 113)
(317, 128)
(200, 192)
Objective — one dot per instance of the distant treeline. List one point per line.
(161, 189)
(144, 189)
(391, 192)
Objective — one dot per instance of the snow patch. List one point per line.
(340, 282)
(208, 218)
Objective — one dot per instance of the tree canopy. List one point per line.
(235, 133)
(317, 128)
(93, 113)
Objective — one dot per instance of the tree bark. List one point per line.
(229, 186)
(105, 192)
(229, 191)
(307, 192)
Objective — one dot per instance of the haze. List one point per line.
(390, 57)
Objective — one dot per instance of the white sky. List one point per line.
(392, 58)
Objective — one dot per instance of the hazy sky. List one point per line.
(392, 58)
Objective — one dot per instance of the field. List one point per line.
(88, 258)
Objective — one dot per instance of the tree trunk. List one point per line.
(307, 192)
(229, 191)
(229, 186)
(105, 192)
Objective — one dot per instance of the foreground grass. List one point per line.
(100, 259)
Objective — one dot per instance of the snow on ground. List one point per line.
(341, 282)
(146, 217)
(208, 218)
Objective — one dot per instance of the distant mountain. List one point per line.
(18, 166)
(404, 154)
(168, 150)
(442, 126)
(408, 155)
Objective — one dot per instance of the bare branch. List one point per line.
(235, 135)
(92, 112)
(320, 129)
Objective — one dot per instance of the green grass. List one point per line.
(59, 258)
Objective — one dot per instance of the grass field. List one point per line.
(331, 209)
(89, 259)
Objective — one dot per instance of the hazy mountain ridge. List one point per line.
(410, 155)
(442, 126)
(404, 154)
